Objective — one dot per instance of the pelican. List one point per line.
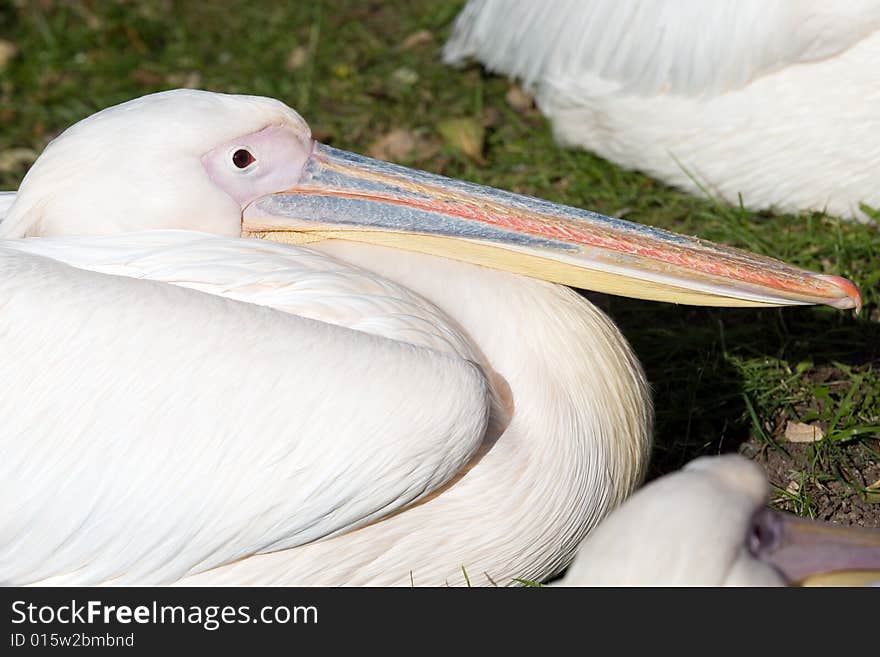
(382, 390)
(775, 102)
(707, 525)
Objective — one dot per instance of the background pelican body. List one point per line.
(775, 101)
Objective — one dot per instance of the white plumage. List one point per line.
(155, 431)
(777, 101)
(167, 430)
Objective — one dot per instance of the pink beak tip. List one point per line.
(853, 296)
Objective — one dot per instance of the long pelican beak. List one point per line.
(811, 553)
(346, 196)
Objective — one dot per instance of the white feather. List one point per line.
(162, 442)
(169, 431)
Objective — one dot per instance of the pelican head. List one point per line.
(708, 525)
(247, 166)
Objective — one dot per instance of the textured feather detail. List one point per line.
(577, 443)
(682, 47)
(155, 430)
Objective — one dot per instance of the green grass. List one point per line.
(723, 379)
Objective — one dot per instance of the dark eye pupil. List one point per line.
(241, 158)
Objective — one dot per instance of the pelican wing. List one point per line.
(687, 47)
(152, 430)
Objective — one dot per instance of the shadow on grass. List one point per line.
(691, 357)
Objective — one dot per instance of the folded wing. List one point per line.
(151, 430)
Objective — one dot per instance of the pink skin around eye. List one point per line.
(279, 153)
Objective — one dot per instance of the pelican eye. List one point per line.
(242, 158)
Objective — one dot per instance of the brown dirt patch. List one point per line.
(832, 491)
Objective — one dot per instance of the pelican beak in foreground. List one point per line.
(346, 196)
(812, 553)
